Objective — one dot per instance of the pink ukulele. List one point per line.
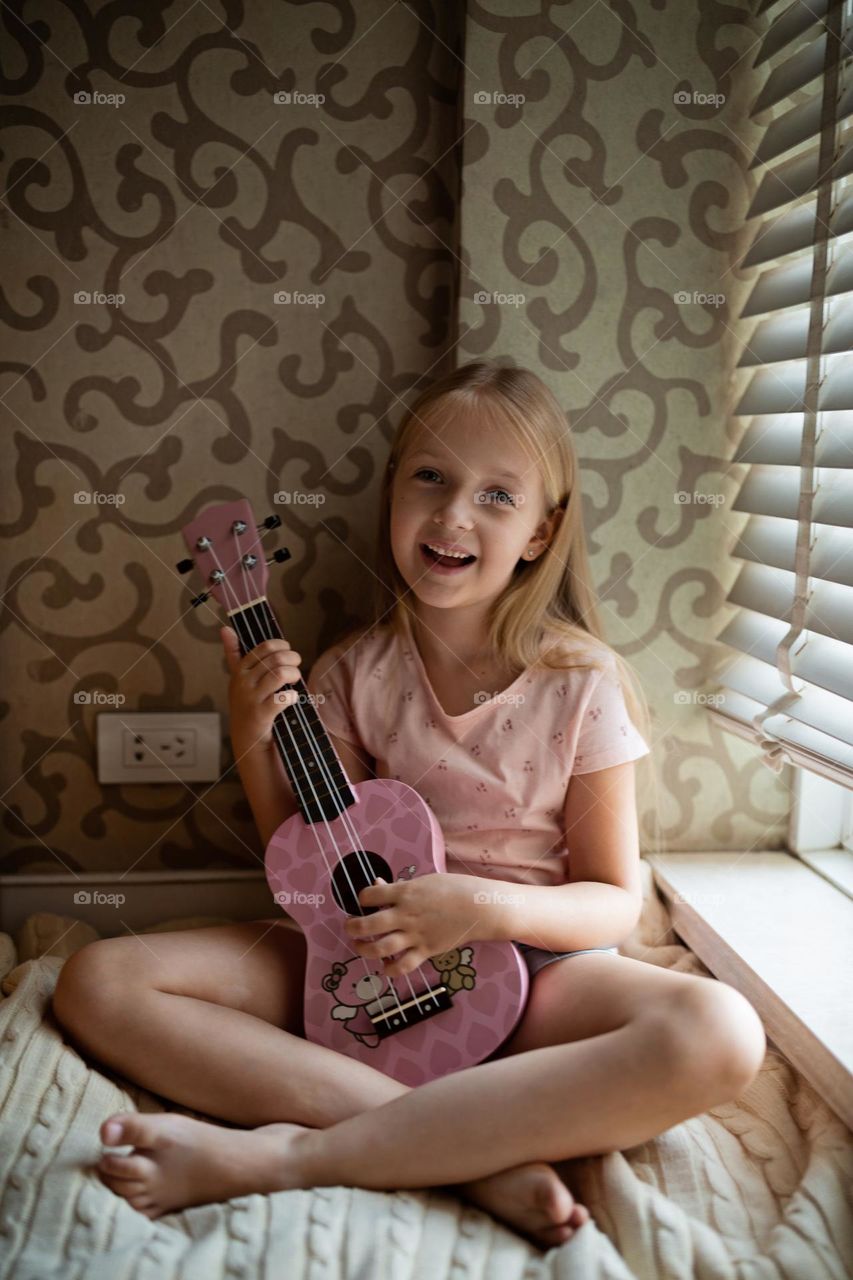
(457, 1007)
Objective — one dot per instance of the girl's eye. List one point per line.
(506, 499)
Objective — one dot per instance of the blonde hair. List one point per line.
(548, 614)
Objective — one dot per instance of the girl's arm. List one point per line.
(602, 901)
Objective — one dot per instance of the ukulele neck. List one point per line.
(320, 784)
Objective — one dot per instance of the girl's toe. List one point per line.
(125, 1166)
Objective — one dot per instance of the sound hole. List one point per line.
(355, 872)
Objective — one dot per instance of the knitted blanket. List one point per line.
(753, 1190)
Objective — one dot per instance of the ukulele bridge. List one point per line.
(411, 1012)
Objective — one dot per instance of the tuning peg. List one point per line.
(197, 600)
(271, 522)
(279, 556)
(184, 566)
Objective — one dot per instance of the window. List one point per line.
(788, 684)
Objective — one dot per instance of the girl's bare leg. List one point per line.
(678, 1045)
(211, 1019)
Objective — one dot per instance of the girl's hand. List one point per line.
(255, 695)
(418, 918)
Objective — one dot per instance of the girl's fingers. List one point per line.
(407, 963)
(387, 946)
(275, 678)
(376, 922)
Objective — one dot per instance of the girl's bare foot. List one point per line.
(532, 1199)
(178, 1161)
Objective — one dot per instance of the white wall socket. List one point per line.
(159, 746)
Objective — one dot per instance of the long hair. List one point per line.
(548, 614)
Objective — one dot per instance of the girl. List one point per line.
(503, 705)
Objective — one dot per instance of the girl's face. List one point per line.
(473, 491)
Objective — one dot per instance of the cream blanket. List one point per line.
(750, 1191)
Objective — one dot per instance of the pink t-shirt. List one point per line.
(496, 776)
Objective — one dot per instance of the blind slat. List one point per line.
(797, 177)
(774, 491)
(777, 440)
(795, 229)
(769, 541)
(782, 389)
(818, 659)
(805, 746)
(790, 285)
(815, 707)
(785, 337)
(796, 127)
(771, 591)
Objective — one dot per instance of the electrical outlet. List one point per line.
(159, 746)
(145, 748)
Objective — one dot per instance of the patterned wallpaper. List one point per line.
(238, 236)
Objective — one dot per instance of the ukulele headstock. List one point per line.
(225, 544)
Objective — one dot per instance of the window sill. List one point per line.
(783, 935)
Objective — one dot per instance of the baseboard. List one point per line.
(148, 897)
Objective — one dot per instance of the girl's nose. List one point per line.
(457, 511)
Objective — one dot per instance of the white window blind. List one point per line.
(787, 677)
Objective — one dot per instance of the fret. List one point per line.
(320, 784)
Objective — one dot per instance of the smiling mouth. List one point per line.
(444, 564)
